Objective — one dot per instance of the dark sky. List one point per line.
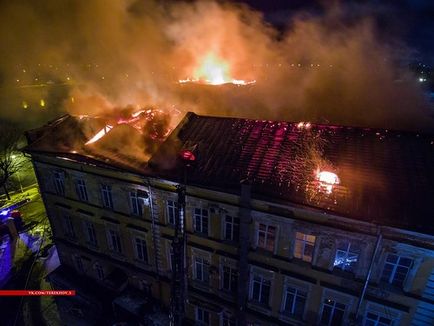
(409, 20)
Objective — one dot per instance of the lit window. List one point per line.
(332, 312)
(346, 257)
(107, 199)
(114, 241)
(202, 316)
(304, 245)
(90, 233)
(232, 228)
(201, 269)
(266, 237)
(81, 190)
(396, 269)
(136, 204)
(260, 290)
(99, 271)
(172, 211)
(141, 249)
(59, 182)
(294, 302)
(201, 220)
(229, 279)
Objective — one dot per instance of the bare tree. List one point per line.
(9, 164)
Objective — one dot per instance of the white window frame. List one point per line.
(297, 294)
(59, 182)
(99, 269)
(171, 209)
(201, 321)
(79, 265)
(169, 255)
(202, 218)
(395, 267)
(232, 270)
(144, 249)
(262, 280)
(136, 203)
(232, 223)
(107, 197)
(205, 263)
(110, 233)
(347, 254)
(68, 226)
(381, 311)
(90, 233)
(338, 298)
(80, 186)
(304, 243)
(266, 235)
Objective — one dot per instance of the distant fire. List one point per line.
(214, 71)
(327, 180)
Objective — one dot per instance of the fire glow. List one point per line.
(327, 180)
(214, 71)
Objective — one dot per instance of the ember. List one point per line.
(187, 155)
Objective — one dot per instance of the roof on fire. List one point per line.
(385, 177)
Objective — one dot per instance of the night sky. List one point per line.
(410, 21)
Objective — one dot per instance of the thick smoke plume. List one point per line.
(100, 55)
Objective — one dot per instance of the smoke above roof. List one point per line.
(322, 68)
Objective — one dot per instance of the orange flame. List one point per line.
(214, 71)
(99, 134)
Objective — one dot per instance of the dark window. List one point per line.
(141, 250)
(261, 290)
(230, 279)
(107, 199)
(396, 269)
(232, 228)
(172, 211)
(295, 301)
(266, 237)
(81, 190)
(332, 313)
(201, 220)
(59, 183)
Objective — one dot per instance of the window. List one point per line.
(107, 200)
(68, 227)
(136, 204)
(201, 269)
(201, 220)
(79, 264)
(80, 187)
(141, 249)
(170, 257)
(374, 319)
(303, 248)
(90, 233)
(260, 290)
(294, 302)
(228, 320)
(332, 313)
(346, 257)
(229, 279)
(266, 237)
(396, 269)
(202, 316)
(59, 182)
(232, 228)
(99, 271)
(172, 211)
(115, 241)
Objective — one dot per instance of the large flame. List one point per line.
(214, 71)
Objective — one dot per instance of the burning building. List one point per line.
(285, 223)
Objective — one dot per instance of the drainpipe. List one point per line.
(154, 240)
(244, 245)
(368, 276)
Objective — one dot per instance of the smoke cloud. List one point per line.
(91, 57)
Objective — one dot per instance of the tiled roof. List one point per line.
(386, 177)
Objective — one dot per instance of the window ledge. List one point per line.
(264, 309)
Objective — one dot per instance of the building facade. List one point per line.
(294, 265)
